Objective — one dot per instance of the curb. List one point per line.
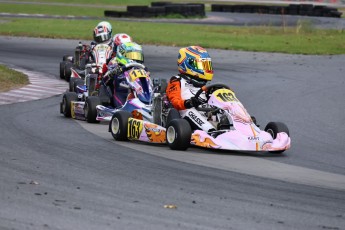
(40, 86)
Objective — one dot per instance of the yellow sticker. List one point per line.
(137, 73)
(225, 95)
(72, 110)
(135, 128)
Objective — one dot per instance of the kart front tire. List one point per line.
(71, 84)
(273, 128)
(67, 98)
(178, 134)
(78, 82)
(90, 110)
(118, 125)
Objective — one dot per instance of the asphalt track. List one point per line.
(56, 173)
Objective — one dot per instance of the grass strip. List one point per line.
(11, 79)
(52, 10)
(301, 39)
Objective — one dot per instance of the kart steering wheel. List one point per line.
(209, 89)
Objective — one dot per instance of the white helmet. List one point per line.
(102, 32)
(107, 25)
(121, 38)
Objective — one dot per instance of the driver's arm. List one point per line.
(173, 93)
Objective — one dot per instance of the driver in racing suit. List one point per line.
(101, 35)
(195, 67)
(127, 52)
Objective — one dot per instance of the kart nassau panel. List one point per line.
(235, 140)
(77, 110)
(245, 135)
(145, 131)
(105, 113)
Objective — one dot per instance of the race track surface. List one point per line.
(58, 173)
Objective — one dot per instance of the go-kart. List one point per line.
(136, 81)
(91, 67)
(84, 85)
(234, 128)
(75, 63)
(98, 104)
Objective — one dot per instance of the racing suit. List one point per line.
(180, 92)
(113, 77)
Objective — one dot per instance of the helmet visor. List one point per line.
(204, 64)
(136, 56)
(102, 37)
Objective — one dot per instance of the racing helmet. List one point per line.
(129, 52)
(121, 38)
(195, 62)
(107, 25)
(102, 32)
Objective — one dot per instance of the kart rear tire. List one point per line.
(172, 114)
(163, 86)
(118, 125)
(67, 58)
(67, 70)
(157, 110)
(273, 128)
(178, 134)
(67, 98)
(90, 110)
(62, 70)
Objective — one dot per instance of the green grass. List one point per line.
(53, 10)
(302, 39)
(106, 2)
(11, 79)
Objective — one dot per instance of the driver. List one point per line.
(101, 35)
(195, 67)
(127, 52)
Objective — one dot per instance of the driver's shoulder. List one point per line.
(175, 78)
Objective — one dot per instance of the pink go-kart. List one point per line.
(234, 128)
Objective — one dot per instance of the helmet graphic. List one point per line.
(195, 62)
(121, 38)
(128, 52)
(106, 24)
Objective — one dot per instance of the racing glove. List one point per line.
(192, 102)
(117, 71)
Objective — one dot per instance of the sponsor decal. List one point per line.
(253, 139)
(172, 88)
(207, 142)
(155, 134)
(195, 118)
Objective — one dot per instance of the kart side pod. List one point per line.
(124, 127)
